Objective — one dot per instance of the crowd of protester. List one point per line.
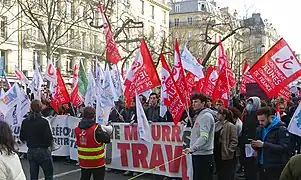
(221, 152)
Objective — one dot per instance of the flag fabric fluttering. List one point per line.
(191, 64)
(20, 76)
(294, 126)
(170, 92)
(36, 82)
(210, 81)
(75, 98)
(90, 96)
(246, 79)
(144, 130)
(112, 52)
(143, 75)
(82, 80)
(6, 81)
(50, 74)
(116, 79)
(60, 96)
(179, 77)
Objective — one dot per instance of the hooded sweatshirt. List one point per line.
(202, 133)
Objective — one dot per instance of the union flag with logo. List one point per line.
(276, 68)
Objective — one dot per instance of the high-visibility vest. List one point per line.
(91, 154)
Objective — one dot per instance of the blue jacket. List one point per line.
(275, 151)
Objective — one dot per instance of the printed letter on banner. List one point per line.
(276, 69)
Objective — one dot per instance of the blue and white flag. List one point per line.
(116, 79)
(295, 125)
(144, 130)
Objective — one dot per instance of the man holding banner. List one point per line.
(202, 137)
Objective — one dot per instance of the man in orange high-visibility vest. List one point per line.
(90, 141)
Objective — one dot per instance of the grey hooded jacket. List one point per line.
(202, 133)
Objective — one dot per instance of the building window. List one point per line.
(189, 21)
(177, 8)
(83, 40)
(164, 17)
(152, 32)
(3, 27)
(68, 64)
(72, 10)
(142, 7)
(203, 8)
(6, 2)
(95, 39)
(3, 62)
(153, 11)
(177, 21)
(188, 35)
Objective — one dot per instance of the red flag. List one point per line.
(190, 82)
(173, 100)
(111, 49)
(246, 79)
(221, 90)
(223, 61)
(60, 95)
(210, 80)
(143, 75)
(285, 93)
(76, 99)
(276, 69)
(179, 76)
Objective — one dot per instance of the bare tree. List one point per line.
(55, 23)
(9, 17)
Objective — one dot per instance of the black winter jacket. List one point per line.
(276, 151)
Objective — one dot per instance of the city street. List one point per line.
(69, 171)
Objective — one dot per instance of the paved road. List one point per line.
(69, 171)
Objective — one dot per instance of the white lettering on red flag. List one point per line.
(111, 49)
(276, 69)
(144, 75)
(210, 81)
(171, 93)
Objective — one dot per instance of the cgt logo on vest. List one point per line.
(83, 138)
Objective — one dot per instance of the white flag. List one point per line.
(21, 76)
(50, 74)
(191, 64)
(9, 100)
(100, 75)
(108, 95)
(102, 112)
(36, 82)
(295, 125)
(116, 79)
(144, 131)
(90, 96)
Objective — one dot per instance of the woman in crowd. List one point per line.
(10, 165)
(225, 145)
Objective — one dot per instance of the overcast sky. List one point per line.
(284, 15)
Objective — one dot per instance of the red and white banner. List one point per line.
(75, 98)
(190, 82)
(143, 75)
(210, 81)
(111, 48)
(171, 93)
(221, 90)
(276, 69)
(129, 153)
(21, 76)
